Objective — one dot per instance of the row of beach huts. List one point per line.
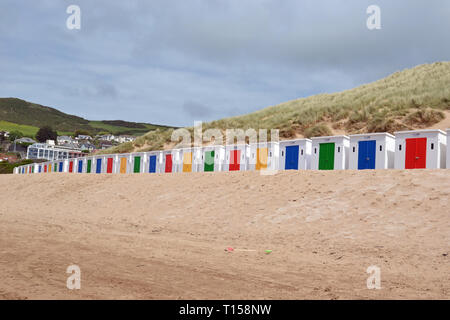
(406, 150)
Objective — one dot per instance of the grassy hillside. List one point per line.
(27, 117)
(409, 99)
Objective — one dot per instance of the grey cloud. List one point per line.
(141, 60)
(196, 110)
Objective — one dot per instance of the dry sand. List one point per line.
(163, 236)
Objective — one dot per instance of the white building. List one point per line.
(372, 151)
(49, 152)
(330, 153)
(83, 137)
(64, 139)
(263, 156)
(236, 157)
(420, 149)
(106, 137)
(295, 154)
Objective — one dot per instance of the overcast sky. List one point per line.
(173, 62)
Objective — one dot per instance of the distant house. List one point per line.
(104, 144)
(125, 138)
(64, 139)
(106, 137)
(83, 137)
(4, 134)
(87, 146)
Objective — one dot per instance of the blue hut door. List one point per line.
(366, 154)
(60, 167)
(152, 167)
(291, 159)
(80, 166)
(98, 168)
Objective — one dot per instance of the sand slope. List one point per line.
(163, 236)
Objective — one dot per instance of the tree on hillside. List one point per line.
(46, 133)
(15, 134)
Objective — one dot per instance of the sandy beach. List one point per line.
(164, 236)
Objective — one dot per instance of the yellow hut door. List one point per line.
(187, 162)
(261, 158)
(123, 165)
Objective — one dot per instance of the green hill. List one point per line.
(413, 98)
(27, 117)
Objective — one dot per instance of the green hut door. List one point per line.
(326, 156)
(137, 164)
(209, 161)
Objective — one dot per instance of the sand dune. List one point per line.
(164, 236)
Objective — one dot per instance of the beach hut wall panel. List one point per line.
(371, 151)
(263, 156)
(236, 157)
(420, 149)
(330, 153)
(295, 154)
(177, 160)
(448, 149)
(197, 159)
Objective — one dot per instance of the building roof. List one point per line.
(419, 131)
(64, 138)
(25, 140)
(330, 137)
(372, 134)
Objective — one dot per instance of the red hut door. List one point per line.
(109, 165)
(416, 153)
(234, 160)
(71, 166)
(168, 163)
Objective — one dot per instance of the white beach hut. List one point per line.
(123, 163)
(138, 161)
(183, 160)
(448, 148)
(152, 162)
(236, 157)
(420, 149)
(212, 158)
(264, 156)
(330, 153)
(167, 161)
(197, 159)
(371, 151)
(295, 154)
